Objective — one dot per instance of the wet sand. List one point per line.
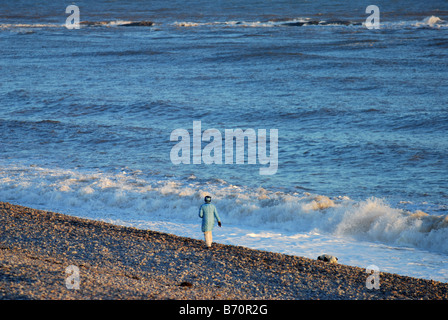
(118, 263)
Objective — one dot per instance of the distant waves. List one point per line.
(428, 22)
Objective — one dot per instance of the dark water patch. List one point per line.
(119, 53)
(49, 121)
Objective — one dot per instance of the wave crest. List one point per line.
(132, 196)
(431, 21)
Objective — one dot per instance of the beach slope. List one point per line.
(116, 262)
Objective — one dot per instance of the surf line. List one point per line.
(212, 153)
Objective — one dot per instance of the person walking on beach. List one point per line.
(208, 213)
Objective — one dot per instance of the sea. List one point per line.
(361, 110)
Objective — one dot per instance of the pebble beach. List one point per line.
(125, 263)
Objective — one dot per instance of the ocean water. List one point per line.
(362, 117)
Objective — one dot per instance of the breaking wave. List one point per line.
(299, 22)
(134, 196)
(113, 23)
(431, 21)
(428, 22)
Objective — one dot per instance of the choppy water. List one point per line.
(362, 116)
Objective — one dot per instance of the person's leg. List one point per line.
(208, 238)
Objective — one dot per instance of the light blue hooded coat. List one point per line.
(208, 213)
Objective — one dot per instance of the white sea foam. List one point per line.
(30, 25)
(230, 23)
(428, 22)
(129, 194)
(112, 23)
(295, 223)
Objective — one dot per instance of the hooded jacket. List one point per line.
(208, 213)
